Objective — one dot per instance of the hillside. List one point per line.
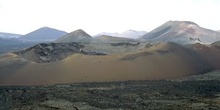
(161, 61)
(12, 45)
(112, 39)
(4, 35)
(51, 52)
(78, 57)
(183, 32)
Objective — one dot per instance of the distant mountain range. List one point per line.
(44, 34)
(82, 37)
(126, 34)
(4, 35)
(15, 42)
(111, 39)
(132, 34)
(183, 32)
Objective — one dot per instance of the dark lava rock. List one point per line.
(126, 95)
(51, 52)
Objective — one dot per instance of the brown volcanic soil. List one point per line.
(161, 61)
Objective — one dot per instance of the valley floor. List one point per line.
(127, 95)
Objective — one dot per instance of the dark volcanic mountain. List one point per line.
(76, 36)
(183, 32)
(44, 34)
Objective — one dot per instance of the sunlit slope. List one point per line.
(162, 61)
(182, 32)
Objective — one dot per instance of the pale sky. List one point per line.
(96, 16)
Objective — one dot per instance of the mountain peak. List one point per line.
(181, 23)
(45, 27)
(78, 33)
(190, 22)
(79, 30)
(43, 34)
(183, 32)
(75, 36)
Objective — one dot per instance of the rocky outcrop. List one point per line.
(51, 52)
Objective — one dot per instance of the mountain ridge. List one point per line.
(183, 32)
(133, 34)
(5, 35)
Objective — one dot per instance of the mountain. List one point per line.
(9, 42)
(132, 34)
(213, 75)
(44, 34)
(108, 34)
(216, 44)
(112, 39)
(183, 32)
(4, 35)
(126, 34)
(13, 44)
(76, 36)
(52, 52)
(141, 62)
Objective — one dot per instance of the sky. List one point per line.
(96, 16)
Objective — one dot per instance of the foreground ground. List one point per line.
(128, 95)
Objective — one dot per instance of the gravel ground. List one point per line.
(127, 95)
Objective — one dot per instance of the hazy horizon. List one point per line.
(96, 16)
